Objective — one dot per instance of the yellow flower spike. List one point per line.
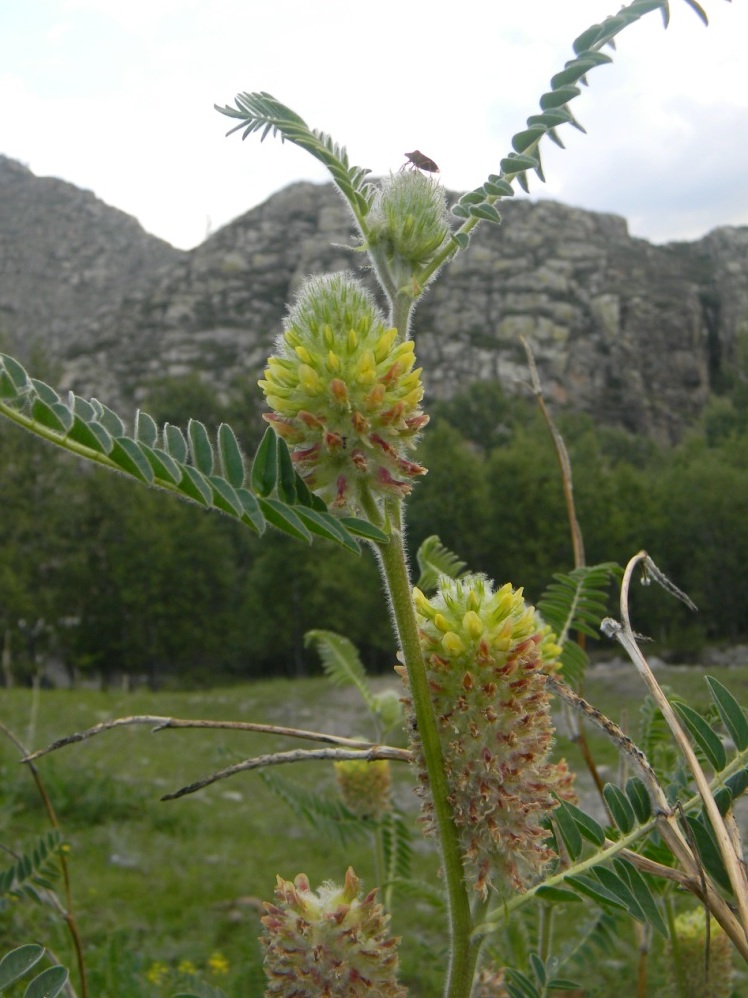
(493, 717)
(337, 378)
(473, 624)
(452, 643)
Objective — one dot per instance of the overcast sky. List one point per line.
(117, 96)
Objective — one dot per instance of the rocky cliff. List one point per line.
(65, 257)
(633, 333)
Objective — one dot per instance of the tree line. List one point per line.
(112, 579)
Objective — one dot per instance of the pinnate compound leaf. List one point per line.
(340, 661)
(705, 738)
(48, 984)
(434, 559)
(731, 712)
(18, 962)
(261, 112)
(577, 601)
(325, 814)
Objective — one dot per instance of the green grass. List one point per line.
(161, 883)
(164, 882)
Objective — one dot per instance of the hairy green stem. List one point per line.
(463, 953)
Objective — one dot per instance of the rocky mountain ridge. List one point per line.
(633, 333)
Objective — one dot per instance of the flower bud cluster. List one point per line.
(487, 654)
(408, 224)
(364, 786)
(345, 395)
(328, 944)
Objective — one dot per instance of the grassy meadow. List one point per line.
(163, 890)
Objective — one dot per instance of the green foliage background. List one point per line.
(128, 581)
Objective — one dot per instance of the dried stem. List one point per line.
(295, 755)
(161, 723)
(563, 457)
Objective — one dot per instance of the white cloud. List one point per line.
(118, 98)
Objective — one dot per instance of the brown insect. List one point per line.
(418, 161)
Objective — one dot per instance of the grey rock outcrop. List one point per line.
(633, 333)
(65, 256)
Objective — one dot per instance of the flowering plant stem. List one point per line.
(463, 952)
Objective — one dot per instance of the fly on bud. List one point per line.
(418, 161)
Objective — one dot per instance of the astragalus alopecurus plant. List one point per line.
(481, 667)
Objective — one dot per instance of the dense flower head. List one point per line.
(329, 943)
(364, 786)
(487, 654)
(408, 221)
(345, 394)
